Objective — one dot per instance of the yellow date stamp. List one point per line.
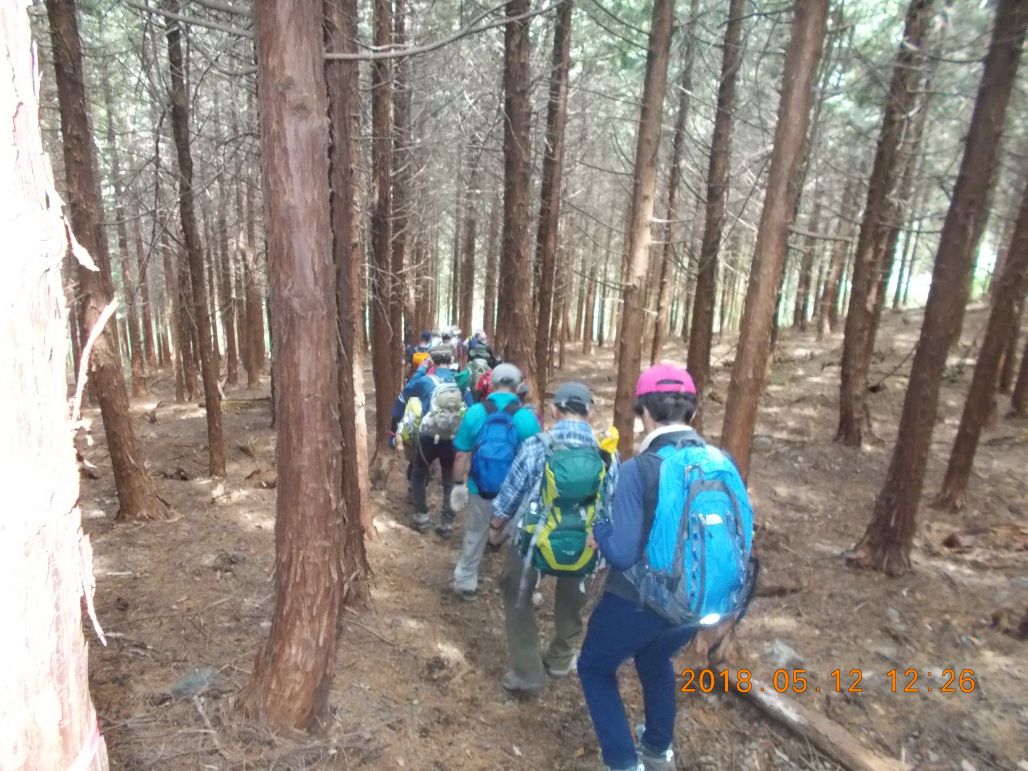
(909, 680)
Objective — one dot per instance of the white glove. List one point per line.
(459, 497)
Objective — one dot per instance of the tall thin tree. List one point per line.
(550, 189)
(294, 667)
(887, 541)
(192, 244)
(854, 416)
(702, 330)
(136, 495)
(644, 183)
(753, 351)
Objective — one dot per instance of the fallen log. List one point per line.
(825, 734)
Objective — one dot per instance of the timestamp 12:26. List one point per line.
(842, 681)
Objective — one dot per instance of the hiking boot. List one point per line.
(445, 528)
(518, 687)
(558, 672)
(636, 767)
(420, 521)
(654, 761)
(468, 595)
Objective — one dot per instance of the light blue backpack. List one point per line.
(698, 568)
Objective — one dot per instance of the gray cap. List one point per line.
(507, 374)
(573, 393)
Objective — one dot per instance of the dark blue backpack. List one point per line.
(496, 447)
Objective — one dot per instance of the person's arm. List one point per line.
(461, 467)
(518, 484)
(620, 538)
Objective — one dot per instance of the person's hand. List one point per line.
(497, 531)
(459, 497)
(392, 440)
(591, 542)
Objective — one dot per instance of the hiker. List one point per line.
(558, 483)
(481, 360)
(433, 406)
(417, 353)
(487, 443)
(642, 614)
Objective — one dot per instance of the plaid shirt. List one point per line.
(527, 470)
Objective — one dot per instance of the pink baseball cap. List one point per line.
(664, 378)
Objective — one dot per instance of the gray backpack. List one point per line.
(445, 412)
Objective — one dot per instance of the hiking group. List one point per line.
(673, 524)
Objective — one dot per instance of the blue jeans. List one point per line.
(618, 629)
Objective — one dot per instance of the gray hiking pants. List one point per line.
(526, 665)
(476, 535)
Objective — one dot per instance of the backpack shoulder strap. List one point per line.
(489, 406)
(649, 466)
(512, 408)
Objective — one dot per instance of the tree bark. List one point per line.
(705, 292)
(515, 333)
(854, 415)
(887, 541)
(136, 494)
(590, 314)
(1019, 398)
(550, 189)
(134, 338)
(143, 273)
(466, 285)
(191, 238)
(660, 327)
(644, 184)
(804, 287)
(401, 173)
(228, 301)
(344, 110)
(293, 671)
(1009, 367)
(491, 268)
(1007, 290)
(753, 351)
(386, 341)
(45, 561)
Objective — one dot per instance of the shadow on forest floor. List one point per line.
(417, 677)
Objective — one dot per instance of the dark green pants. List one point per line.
(527, 670)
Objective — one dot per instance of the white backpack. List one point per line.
(445, 412)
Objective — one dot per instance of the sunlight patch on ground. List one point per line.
(450, 652)
(256, 520)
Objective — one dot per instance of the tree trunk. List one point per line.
(854, 415)
(660, 328)
(46, 563)
(212, 299)
(550, 189)
(466, 294)
(1007, 290)
(515, 334)
(401, 183)
(590, 314)
(143, 273)
(1019, 398)
(752, 353)
(887, 541)
(702, 331)
(1006, 376)
(135, 489)
(191, 237)
(344, 110)
(385, 338)
(228, 301)
(803, 288)
(134, 338)
(491, 268)
(644, 184)
(294, 668)
(254, 290)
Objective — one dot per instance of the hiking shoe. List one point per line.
(515, 685)
(558, 672)
(444, 529)
(654, 761)
(420, 521)
(468, 595)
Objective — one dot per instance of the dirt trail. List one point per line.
(417, 683)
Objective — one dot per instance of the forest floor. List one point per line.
(417, 680)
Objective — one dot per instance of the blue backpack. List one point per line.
(697, 567)
(496, 448)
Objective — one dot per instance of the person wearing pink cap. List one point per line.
(621, 627)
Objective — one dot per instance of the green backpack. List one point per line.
(558, 522)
